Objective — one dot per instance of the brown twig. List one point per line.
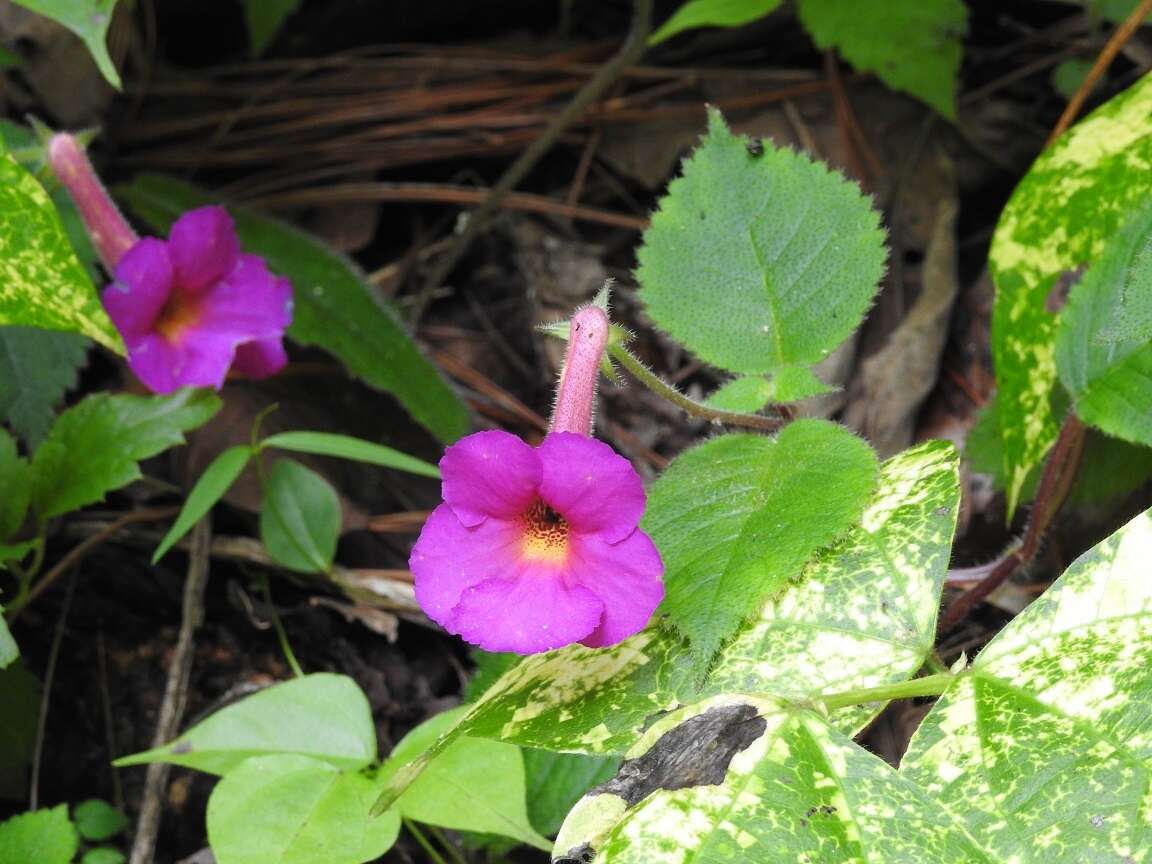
(1107, 54)
(78, 553)
(605, 76)
(45, 700)
(175, 693)
(1059, 473)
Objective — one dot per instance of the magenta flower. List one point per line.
(190, 308)
(194, 307)
(535, 548)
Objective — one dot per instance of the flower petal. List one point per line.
(530, 612)
(249, 303)
(198, 360)
(450, 558)
(142, 287)
(490, 473)
(627, 577)
(260, 358)
(591, 486)
(204, 247)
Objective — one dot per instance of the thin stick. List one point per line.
(424, 842)
(605, 76)
(1122, 34)
(278, 625)
(82, 549)
(106, 708)
(175, 693)
(49, 676)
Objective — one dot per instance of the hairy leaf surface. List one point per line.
(737, 517)
(759, 258)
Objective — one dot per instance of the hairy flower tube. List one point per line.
(191, 308)
(538, 547)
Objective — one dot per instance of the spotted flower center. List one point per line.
(181, 312)
(545, 534)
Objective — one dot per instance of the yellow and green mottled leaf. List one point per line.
(42, 283)
(865, 614)
(1045, 745)
(1060, 217)
(800, 792)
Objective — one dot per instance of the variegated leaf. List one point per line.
(1045, 744)
(42, 283)
(739, 779)
(1059, 218)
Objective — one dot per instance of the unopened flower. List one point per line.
(191, 308)
(535, 548)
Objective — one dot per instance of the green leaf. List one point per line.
(1087, 339)
(103, 855)
(264, 19)
(750, 393)
(9, 650)
(15, 551)
(16, 479)
(42, 284)
(556, 781)
(95, 446)
(863, 616)
(335, 307)
(210, 488)
(321, 716)
(347, 447)
(300, 518)
(794, 789)
(42, 836)
(1072, 201)
(1044, 744)
(712, 13)
(472, 785)
(1132, 317)
(287, 809)
(37, 367)
(98, 820)
(88, 19)
(1118, 402)
(18, 731)
(758, 259)
(737, 517)
(915, 46)
(1069, 75)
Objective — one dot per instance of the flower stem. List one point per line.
(690, 406)
(929, 685)
(424, 842)
(111, 234)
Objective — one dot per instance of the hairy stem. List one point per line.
(690, 406)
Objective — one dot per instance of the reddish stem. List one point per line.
(1055, 483)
